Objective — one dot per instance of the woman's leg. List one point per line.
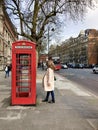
(52, 95)
(47, 96)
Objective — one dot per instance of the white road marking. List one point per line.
(63, 83)
(66, 84)
(12, 116)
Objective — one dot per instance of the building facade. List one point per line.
(82, 49)
(7, 36)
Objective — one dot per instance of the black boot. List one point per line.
(52, 101)
(45, 100)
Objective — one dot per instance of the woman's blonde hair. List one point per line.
(51, 65)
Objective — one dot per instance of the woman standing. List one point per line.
(48, 81)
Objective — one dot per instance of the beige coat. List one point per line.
(48, 79)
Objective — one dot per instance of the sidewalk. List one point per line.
(75, 108)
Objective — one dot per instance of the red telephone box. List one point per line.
(23, 73)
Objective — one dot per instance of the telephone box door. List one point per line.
(23, 73)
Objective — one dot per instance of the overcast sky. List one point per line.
(73, 29)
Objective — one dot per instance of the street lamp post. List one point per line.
(48, 40)
(49, 37)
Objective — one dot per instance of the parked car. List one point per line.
(64, 66)
(81, 66)
(95, 69)
(78, 66)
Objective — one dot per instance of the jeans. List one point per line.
(52, 95)
(6, 74)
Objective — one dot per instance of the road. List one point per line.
(85, 77)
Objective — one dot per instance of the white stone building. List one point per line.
(7, 36)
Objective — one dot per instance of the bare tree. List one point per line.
(35, 15)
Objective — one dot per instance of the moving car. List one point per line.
(95, 69)
(57, 65)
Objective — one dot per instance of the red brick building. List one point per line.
(43, 58)
(93, 47)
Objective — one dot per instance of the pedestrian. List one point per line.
(42, 65)
(6, 71)
(48, 81)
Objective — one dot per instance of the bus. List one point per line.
(56, 61)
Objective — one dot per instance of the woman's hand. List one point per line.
(49, 84)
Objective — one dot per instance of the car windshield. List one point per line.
(56, 62)
(96, 65)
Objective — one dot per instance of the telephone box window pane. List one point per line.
(23, 75)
